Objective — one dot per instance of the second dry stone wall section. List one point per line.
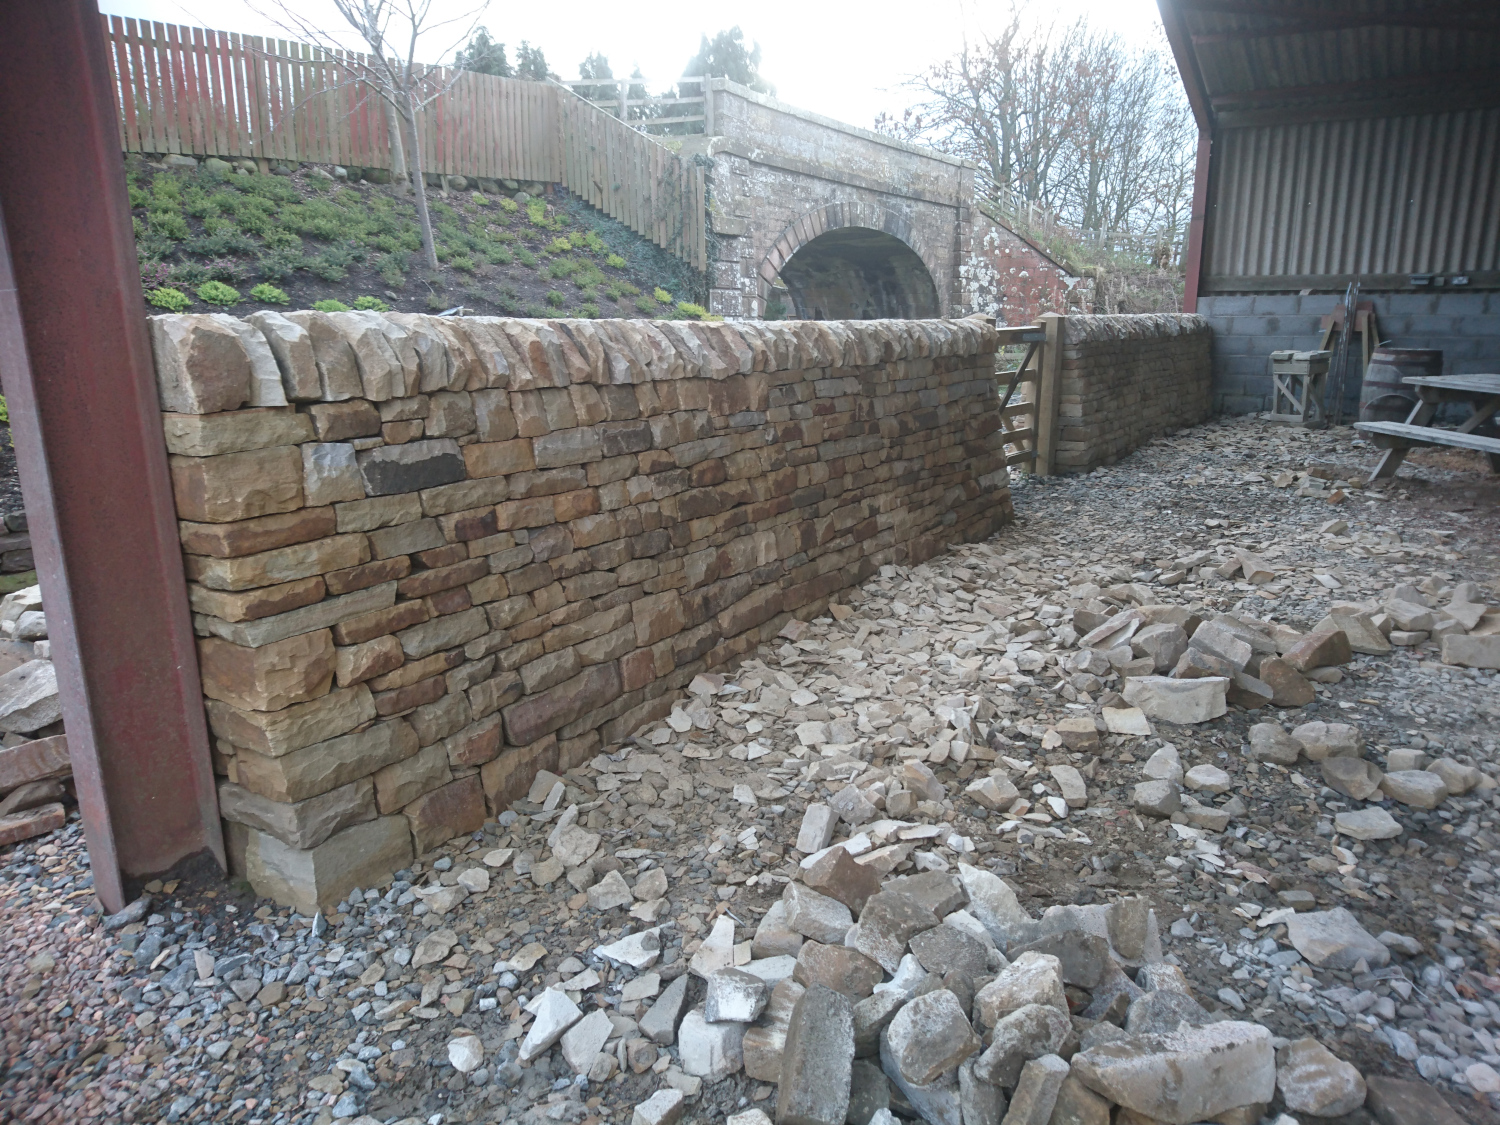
(428, 557)
(1127, 380)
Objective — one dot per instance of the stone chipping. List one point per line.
(924, 725)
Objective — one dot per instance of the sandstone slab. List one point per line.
(1334, 939)
(1178, 701)
(313, 879)
(1185, 1076)
(817, 1061)
(1312, 1079)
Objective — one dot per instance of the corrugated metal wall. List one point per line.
(1373, 196)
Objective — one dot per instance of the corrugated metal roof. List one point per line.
(1263, 61)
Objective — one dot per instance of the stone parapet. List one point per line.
(1126, 380)
(429, 557)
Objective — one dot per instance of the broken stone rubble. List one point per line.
(1015, 861)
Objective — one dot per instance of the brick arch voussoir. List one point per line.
(834, 216)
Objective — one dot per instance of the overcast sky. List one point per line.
(841, 59)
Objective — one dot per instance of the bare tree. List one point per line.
(1002, 102)
(390, 31)
(1065, 117)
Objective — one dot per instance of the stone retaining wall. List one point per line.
(430, 557)
(1126, 380)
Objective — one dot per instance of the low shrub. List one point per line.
(694, 312)
(556, 299)
(269, 295)
(392, 269)
(329, 268)
(371, 304)
(225, 241)
(330, 305)
(154, 274)
(614, 261)
(169, 224)
(279, 238)
(589, 310)
(173, 300)
(228, 270)
(662, 295)
(189, 275)
(278, 265)
(646, 305)
(217, 293)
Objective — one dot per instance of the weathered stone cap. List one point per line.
(206, 363)
(1137, 326)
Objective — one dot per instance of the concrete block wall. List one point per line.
(1248, 328)
(430, 557)
(1126, 380)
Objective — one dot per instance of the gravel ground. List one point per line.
(216, 1007)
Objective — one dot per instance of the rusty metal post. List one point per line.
(1197, 223)
(76, 366)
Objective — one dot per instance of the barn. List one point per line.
(1339, 142)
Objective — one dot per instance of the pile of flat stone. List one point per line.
(864, 997)
(34, 766)
(1178, 666)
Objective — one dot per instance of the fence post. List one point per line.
(706, 84)
(1047, 393)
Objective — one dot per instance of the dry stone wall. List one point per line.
(1126, 380)
(430, 557)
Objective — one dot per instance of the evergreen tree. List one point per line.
(484, 55)
(727, 56)
(597, 66)
(531, 63)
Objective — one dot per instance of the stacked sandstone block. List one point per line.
(1126, 380)
(428, 557)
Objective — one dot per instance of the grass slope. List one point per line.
(210, 241)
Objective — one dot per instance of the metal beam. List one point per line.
(1476, 281)
(1411, 85)
(76, 365)
(1291, 9)
(1404, 105)
(1198, 222)
(1187, 63)
(1303, 25)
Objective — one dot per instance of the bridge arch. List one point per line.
(852, 261)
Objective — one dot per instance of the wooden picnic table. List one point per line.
(1480, 392)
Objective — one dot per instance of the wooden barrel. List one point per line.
(1384, 397)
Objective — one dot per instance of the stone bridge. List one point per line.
(816, 219)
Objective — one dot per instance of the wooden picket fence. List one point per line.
(197, 92)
